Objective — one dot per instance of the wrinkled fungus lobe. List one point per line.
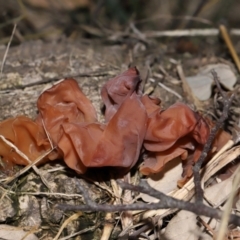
(176, 132)
(63, 103)
(81, 140)
(133, 122)
(26, 135)
(172, 133)
(117, 89)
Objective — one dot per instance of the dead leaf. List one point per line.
(15, 233)
(164, 181)
(184, 226)
(201, 84)
(218, 193)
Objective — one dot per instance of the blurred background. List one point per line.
(52, 19)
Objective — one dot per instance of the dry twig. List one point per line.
(108, 227)
(207, 147)
(230, 46)
(166, 202)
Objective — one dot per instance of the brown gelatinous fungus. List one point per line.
(166, 127)
(78, 143)
(151, 104)
(117, 89)
(116, 144)
(26, 135)
(81, 140)
(133, 121)
(177, 131)
(122, 139)
(64, 103)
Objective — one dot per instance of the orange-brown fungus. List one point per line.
(63, 103)
(122, 139)
(133, 122)
(83, 142)
(177, 131)
(78, 142)
(116, 143)
(26, 135)
(117, 89)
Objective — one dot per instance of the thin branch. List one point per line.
(185, 17)
(166, 202)
(188, 32)
(47, 80)
(207, 147)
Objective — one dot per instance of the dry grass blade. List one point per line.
(230, 46)
(188, 32)
(117, 191)
(15, 148)
(66, 222)
(219, 165)
(31, 164)
(79, 232)
(170, 90)
(5, 193)
(6, 52)
(108, 227)
(227, 211)
(127, 219)
(181, 33)
(45, 130)
(186, 88)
